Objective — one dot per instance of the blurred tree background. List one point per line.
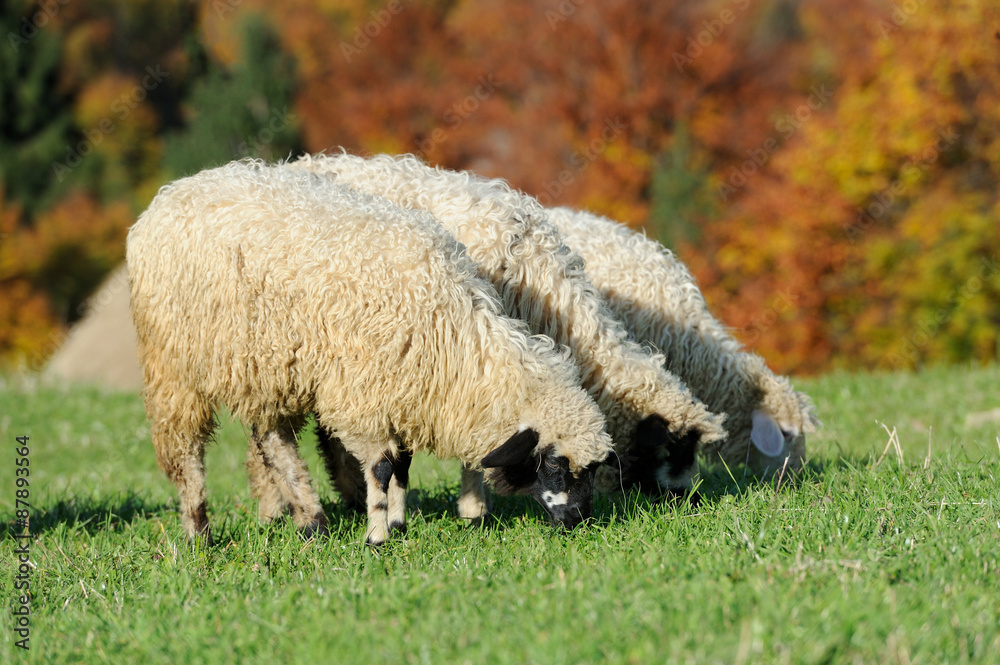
(828, 168)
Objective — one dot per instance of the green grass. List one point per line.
(854, 562)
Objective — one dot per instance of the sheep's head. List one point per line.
(774, 441)
(658, 461)
(772, 427)
(519, 467)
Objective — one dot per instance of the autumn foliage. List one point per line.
(828, 168)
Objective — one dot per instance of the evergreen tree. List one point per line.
(680, 193)
(245, 110)
(36, 123)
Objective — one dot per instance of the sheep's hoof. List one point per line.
(480, 522)
(397, 528)
(472, 510)
(315, 530)
(376, 537)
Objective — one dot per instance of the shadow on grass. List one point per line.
(93, 515)
(717, 481)
(440, 503)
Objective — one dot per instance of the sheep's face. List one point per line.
(773, 443)
(658, 460)
(520, 468)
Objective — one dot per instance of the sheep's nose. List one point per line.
(570, 517)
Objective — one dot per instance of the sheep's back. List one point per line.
(260, 289)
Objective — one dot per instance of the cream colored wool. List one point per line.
(278, 292)
(541, 282)
(657, 298)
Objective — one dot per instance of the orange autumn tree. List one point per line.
(47, 271)
(881, 215)
(754, 138)
(570, 101)
(88, 95)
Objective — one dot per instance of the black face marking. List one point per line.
(638, 468)
(681, 453)
(382, 470)
(568, 499)
(657, 452)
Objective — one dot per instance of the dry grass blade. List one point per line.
(893, 443)
(930, 437)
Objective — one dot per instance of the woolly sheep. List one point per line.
(654, 421)
(657, 298)
(279, 293)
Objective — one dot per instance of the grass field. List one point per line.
(853, 562)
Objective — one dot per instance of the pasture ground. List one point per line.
(855, 561)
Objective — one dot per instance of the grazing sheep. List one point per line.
(652, 417)
(656, 297)
(278, 293)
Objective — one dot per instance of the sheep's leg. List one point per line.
(397, 492)
(279, 453)
(386, 477)
(264, 487)
(377, 476)
(181, 423)
(343, 468)
(472, 499)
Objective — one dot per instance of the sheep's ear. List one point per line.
(766, 435)
(612, 460)
(513, 451)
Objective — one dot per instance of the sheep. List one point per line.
(279, 293)
(654, 420)
(657, 298)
